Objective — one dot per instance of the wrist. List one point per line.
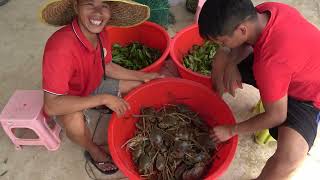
(232, 60)
(234, 130)
(104, 99)
(140, 76)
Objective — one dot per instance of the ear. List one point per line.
(243, 29)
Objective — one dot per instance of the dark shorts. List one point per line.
(302, 116)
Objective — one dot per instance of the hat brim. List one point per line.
(127, 13)
(124, 13)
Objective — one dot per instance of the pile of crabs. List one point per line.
(171, 143)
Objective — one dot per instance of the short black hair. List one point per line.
(221, 17)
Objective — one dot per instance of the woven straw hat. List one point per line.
(124, 13)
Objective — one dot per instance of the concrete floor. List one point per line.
(21, 48)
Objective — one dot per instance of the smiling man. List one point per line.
(78, 72)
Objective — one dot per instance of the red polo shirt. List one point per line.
(71, 65)
(287, 58)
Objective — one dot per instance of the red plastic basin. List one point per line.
(180, 45)
(147, 33)
(171, 90)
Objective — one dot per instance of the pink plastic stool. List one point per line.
(24, 110)
(200, 4)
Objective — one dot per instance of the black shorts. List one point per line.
(302, 116)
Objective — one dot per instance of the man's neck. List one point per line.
(93, 39)
(261, 23)
(90, 36)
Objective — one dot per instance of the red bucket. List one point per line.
(167, 91)
(147, 33)
(180, 45)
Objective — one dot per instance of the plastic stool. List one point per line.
(200, 4)
(24, 110)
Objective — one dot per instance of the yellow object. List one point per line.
(262, 137)
(258, 108)
(124, 13)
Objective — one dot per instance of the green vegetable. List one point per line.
(135, 56)
(199, 58)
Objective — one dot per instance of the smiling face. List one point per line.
(93, 15)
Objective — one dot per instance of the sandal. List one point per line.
(113, 168)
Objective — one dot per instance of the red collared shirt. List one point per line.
(287, 59)
(71, 65)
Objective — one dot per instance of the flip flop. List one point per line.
(96, 164)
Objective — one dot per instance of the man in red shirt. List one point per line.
(284, 66)
(78, 73)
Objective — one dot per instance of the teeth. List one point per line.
(95, 22)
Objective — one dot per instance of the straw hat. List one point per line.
(124, 13)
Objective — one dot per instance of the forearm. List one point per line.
(64, 104)
(226, 56)
(275, 114)
(257, 123)
(239, 54)
(117, 72)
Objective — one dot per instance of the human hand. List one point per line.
(222, 133)
(117, 105)
(225, 74)
(219, 64)
(232, 78)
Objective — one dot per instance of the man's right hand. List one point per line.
(232, 78)
(117, 104)
(219, 65)
(225, 74)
